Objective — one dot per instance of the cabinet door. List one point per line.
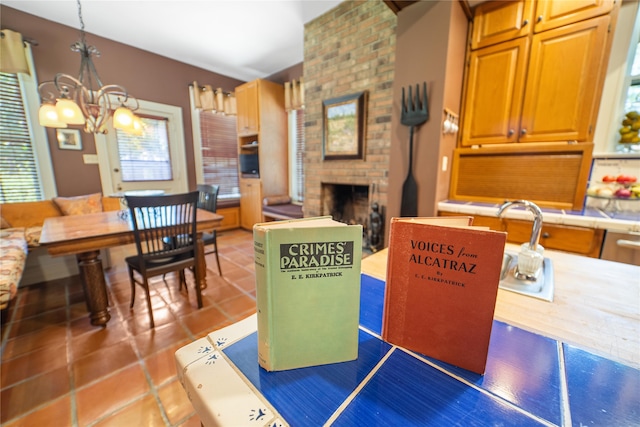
(556, 13)
(499, 21)
(250, 203)
(579, 240)
(247, 108)
(495, 87)
(563, 82)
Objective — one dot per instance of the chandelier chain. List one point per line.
(82, 34)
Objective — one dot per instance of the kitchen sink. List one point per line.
(541, 288)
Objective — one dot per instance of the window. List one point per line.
(296, 155)
(146, 157)
(629, 137)
(627, 120)
(218, 153)
(26, 173)
(633, 95)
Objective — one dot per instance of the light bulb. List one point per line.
(123, 119)
(48, 116)
(69, 112)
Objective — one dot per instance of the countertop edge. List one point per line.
(560, 218)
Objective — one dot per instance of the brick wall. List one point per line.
(349, 49)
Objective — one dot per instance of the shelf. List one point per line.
(255, 146)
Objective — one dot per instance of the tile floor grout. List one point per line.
(28, 399)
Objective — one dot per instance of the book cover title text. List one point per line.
(312, 255)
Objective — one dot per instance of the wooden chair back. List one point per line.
(208, 198)
(158, 218)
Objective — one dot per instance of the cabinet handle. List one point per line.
(523, 132)
(525, 23)
(511, 132)
(546, 235)
(540, 18)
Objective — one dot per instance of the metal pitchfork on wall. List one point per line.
(414, 113)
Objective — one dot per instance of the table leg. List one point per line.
(201, 269)
(202, 262)
(94, 286)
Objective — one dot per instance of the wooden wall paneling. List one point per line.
(549, 174)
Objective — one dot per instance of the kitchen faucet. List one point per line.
(530, 258)
(537, 220)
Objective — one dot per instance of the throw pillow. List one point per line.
(4, 223)
(276, 200)
(79, 205)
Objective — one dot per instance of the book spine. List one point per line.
(263, 297)
(387, 288)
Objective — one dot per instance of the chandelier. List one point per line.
(67, 100)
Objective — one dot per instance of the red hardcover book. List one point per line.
(442, 283)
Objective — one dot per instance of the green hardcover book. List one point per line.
(307, 291)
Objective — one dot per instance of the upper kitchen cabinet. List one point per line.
(557, 13)
(495, 88)
(564, 82)
(499, 21)
(247, 100)
(541, 87)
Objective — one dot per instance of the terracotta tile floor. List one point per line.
(59, 370)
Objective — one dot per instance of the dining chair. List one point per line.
(208, 200)
(156, 219)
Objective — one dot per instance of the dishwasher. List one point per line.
(621, 246)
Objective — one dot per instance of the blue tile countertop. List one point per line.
(530, 380)
(587, 217)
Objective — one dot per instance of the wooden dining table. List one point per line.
(85, 235)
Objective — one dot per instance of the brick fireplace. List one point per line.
(348, 50)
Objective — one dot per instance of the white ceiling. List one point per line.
(243, 39)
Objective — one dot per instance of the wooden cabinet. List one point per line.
(564, 82)
(499, 21)
(541, 86)
(250, 203)
(231, 218)
(248, 119)
(262, 132)
(556, 13)
(495, 87)
(578, 240)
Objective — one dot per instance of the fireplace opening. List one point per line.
(350, 204)
(346, 203)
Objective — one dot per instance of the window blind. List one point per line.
(298, 191)
(220, 153)
(19, 180)
(146, 157)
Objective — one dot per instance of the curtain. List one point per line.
(205, 98)
(13, 58)
(294, 95)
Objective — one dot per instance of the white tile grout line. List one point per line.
(360, 386)
(564, 387)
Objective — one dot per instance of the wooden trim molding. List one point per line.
(397, 6)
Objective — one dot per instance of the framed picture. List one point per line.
(344, 123)
(69, 139)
